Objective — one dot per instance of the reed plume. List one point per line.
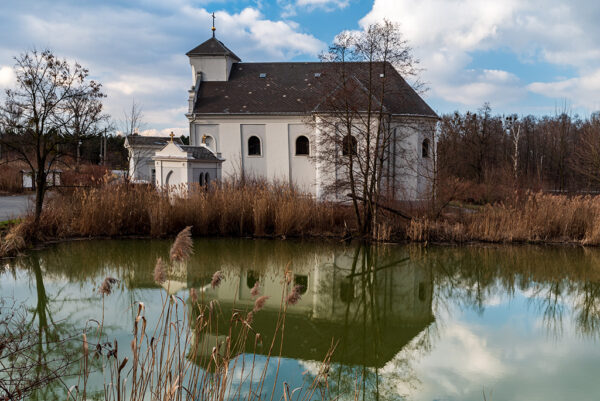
(260, 303)
(255, 290)
(160, 273)
(106, 286)
(216, 279)
(295, 295)
(182, 247)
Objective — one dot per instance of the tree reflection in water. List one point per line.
(384, 305)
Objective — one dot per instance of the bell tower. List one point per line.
(211, 60)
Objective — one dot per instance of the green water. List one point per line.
(435, 323)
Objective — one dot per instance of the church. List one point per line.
(260, 120)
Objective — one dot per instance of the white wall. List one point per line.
(213, 68)
(302, 168)
(277, 160)
(141, 163)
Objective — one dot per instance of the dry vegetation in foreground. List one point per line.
(272, 210)
(533, 218)
(195, 351)
(231, 209)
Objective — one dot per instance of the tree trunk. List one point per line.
(40, 191)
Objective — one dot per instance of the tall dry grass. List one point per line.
(10, 179)
(536, 218)
(230, 209)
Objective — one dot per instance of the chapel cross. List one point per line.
(213, 27)
(172, 135)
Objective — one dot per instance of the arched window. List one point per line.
(349, 145)
(168, 179)
(209, 141)
(251, 278)
(302, 146)
(425, 148)
(201, 179)
(206, 179)
(253, 146)
(302, 280)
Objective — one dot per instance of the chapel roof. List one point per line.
(212, 47)
(303, 87)
(158, 142)
(200, 152)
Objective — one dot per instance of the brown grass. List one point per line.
(230, 209)
(10, 179)
(537, 218)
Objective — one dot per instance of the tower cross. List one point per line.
(213, 26)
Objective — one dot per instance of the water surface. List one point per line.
(435, 323)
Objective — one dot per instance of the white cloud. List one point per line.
(139, 52)
(476, 87)
(581, 91)
(7, 77)
(446, 34)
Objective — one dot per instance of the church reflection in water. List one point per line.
(383, 308)
(367, 302)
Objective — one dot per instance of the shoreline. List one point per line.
(41, 245)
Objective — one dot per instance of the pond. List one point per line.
(408, 322)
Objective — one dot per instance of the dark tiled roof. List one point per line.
(212, 47)
(151, 141)
(295, 88)
(199, 152)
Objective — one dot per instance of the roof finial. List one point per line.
(213, 26)
(172, 135)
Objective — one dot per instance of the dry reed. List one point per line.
(229, 209)
(537, 218)
(193, 353)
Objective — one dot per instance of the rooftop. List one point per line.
(212, 47)
(303, 87)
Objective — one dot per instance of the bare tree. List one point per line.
(37, 114)
(586, 157)
(360, 141)
(133, 119)
(131, 124)
(513, 128)
(85, 117)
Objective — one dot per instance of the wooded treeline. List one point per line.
(494, 153)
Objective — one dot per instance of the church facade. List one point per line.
(261, 120)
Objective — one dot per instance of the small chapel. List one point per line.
(251, 119)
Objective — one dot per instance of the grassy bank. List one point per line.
(531, 218)
(270, 210)
(232, 209)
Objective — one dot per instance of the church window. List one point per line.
(302, 146)
(168, 179)
(425, 148)
(302, 281)
(349, 145)
(209, 141)
(253, 146)
(206, 179)
(201, 179)
(251, 279)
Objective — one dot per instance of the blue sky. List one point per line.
(522, 56)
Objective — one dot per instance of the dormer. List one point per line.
(211, 61)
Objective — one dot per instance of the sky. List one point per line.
(522, 56)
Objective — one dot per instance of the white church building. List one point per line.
(252, 119)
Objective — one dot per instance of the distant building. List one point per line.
(251, 119)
